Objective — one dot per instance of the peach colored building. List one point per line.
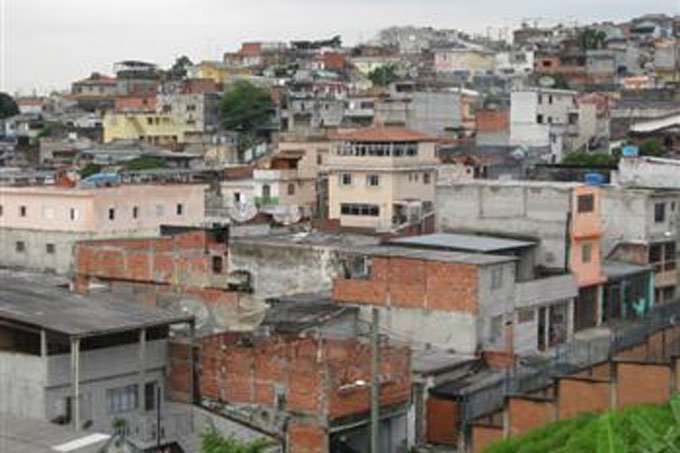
(381, 178)
(39, 225)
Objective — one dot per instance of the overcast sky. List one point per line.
(48, 43)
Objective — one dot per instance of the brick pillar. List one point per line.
(81, 284)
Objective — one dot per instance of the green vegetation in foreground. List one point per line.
(642, 429)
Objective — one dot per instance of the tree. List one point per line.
(89, 170)
(213, 442)
(592, 39)
(653, 147)
(179, 69)
(383, 75)
(7, 106)
(145, 163)
(246, 109)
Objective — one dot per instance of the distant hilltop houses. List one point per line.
(432, 240)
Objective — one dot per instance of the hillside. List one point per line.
(635, 430)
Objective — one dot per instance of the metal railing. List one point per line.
(570, 358)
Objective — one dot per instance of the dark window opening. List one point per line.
(586, 203)
(217, 264)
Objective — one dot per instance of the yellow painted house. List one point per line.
(217, 71)
(159, 129)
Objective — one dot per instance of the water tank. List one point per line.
(594, 179)
(631, 151)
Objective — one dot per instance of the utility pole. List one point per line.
(375, 382)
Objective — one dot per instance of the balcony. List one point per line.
(545, 290)
(266, 202)
(275, 175)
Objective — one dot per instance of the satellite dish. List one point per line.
(547, 81)
(287, 214)
(242, 211)
(196, 308)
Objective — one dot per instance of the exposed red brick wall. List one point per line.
(198, 86)
(443, 417)
(582, 395)
(183, 259)
(498, 359)
(639, 383)
(306, 437)
(135, 104)
(493, 120)
(485, 435)
(412, 283)
(310, 373)
(179, 372)
(528, 414)
(334, 61)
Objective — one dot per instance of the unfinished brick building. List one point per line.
(309, 392)
(302, 387)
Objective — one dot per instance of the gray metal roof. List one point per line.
(619, 269)
(25, 298)
(465, 242)
(442, 256)
(24, 435)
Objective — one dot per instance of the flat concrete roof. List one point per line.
(25, 298)
(477, 259)
(466, 242)
(26, 435)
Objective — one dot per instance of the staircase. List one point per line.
(646, 371)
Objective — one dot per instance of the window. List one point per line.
(373, 180)
(550, 99)
(524, 316)
(586, 203)
(291, 189)
(659, 212)
(149, 121)
(217, 264)
(496, 328)
(345, 179)
(20, 246)
(112, 214)
(586, 253)
(319, 159)
(540, 99)
(150, 389)
(179, 209)
(50, 249)
(0, 210)
(160, 210)
(22, 211)
(135, 212)
(73, 214)
(237, 197)
(539, 119)
(550, 120)
(496, 278)
(426, 178)
(356, 209)
(122, 399)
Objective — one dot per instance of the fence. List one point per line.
(569, 358)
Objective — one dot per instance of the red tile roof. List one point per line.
(381, 133)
